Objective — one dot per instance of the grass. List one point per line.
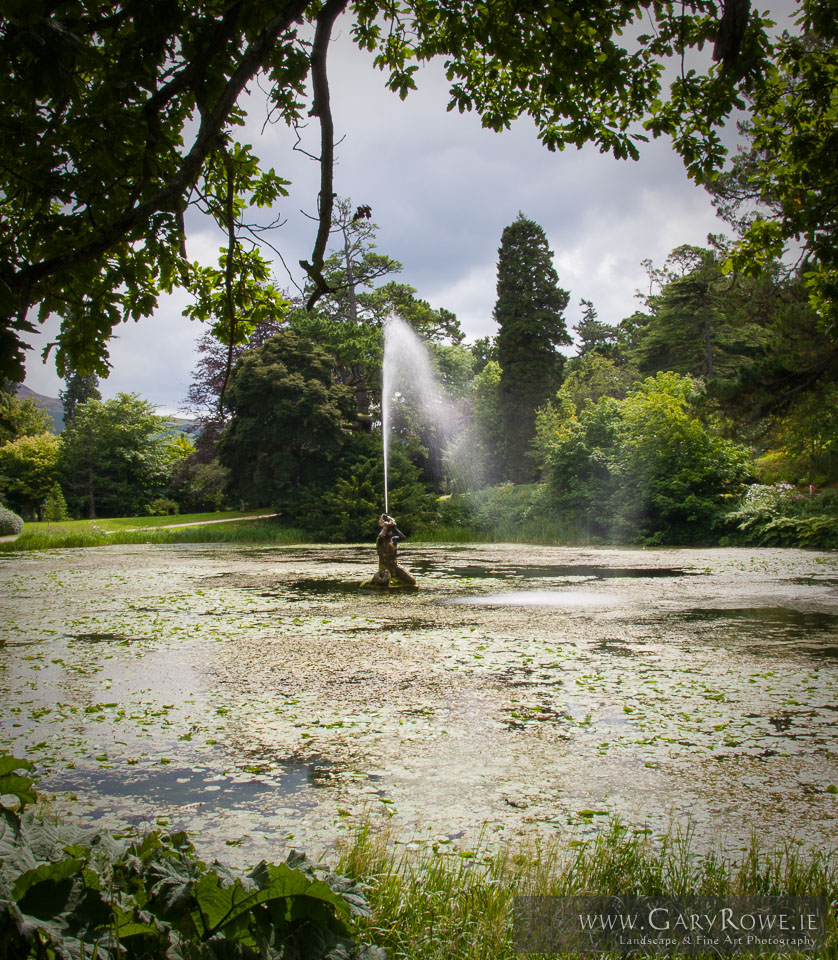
(97, 533)
(529, 531)
(120, 530)
(450, 533)
(430, 904)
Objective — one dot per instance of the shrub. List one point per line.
(493, 510)
(10, 523)
(780, 515)
(55, 506)
(161, 507)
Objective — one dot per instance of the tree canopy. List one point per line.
(289, 422)
(781, 190)
(29, 470)
(21, 417)
(117, 117)
(530, 317)
(114, 457)
(700, 321)
(642, 468)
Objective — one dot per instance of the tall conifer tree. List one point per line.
(530, 313)
(81, 387)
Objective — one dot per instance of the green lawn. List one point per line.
(96, 533)
(111, 524)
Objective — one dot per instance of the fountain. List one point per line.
(410, 387)
(407, 379)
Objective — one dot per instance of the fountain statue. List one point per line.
(388, 566)
(408, 381)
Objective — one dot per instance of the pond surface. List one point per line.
(263, 699)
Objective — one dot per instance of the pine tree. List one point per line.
(530, 313)
(80, 389)
(594, 335)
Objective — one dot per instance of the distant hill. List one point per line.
(52, 405)
(173, 425)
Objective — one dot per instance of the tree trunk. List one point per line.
(350, 279)
(362, 398)
(708, 342)
(91, 508)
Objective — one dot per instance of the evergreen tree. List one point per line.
(529, 312)
(288, 426)
(702, 323)
(594, 335)
(81, 387)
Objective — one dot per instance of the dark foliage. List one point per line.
(289, 423)
(530, 316)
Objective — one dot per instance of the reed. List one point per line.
(431, 903)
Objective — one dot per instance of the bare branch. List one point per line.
(321, 108)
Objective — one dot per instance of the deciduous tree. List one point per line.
(29, 471)
(20, 417)
(645, 468)
(114, 457)
(781, 191)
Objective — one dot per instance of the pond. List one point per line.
(262, 699)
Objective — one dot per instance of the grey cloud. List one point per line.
(442, 189)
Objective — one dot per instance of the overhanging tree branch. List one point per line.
(321, 108)
(168, 197)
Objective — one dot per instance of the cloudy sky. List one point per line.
(441, 190)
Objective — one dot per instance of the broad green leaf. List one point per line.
(48, 876)
(21, 787)
(8, 764)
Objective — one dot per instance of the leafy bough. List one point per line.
(69, 892)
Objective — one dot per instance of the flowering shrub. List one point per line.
(781, 515)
